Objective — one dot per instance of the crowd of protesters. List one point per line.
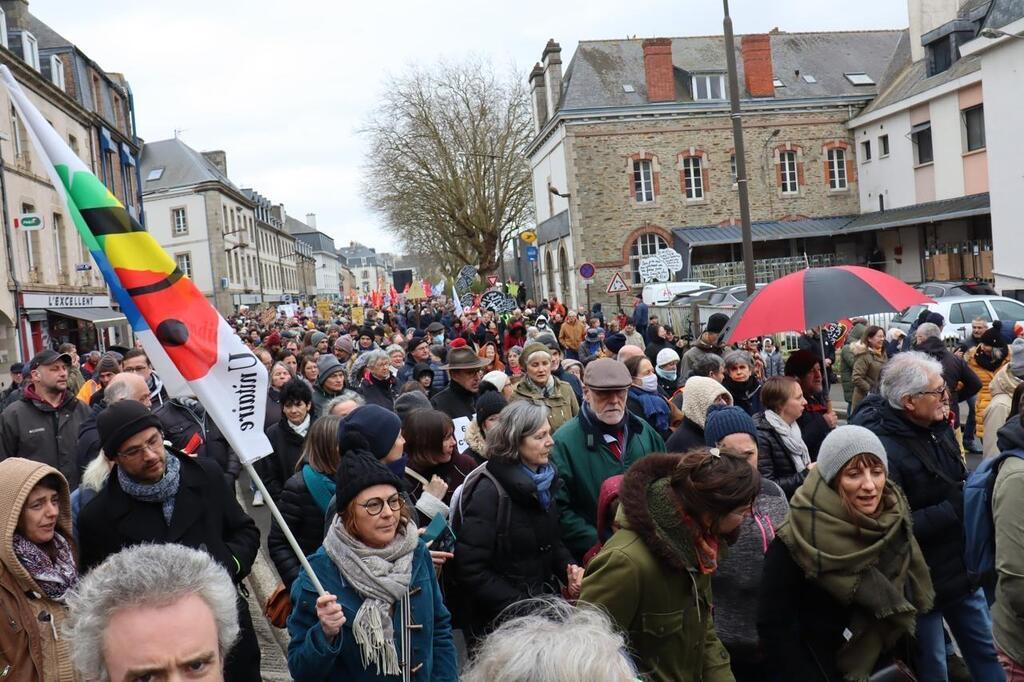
(555, 493)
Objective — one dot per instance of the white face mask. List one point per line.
(649, 383)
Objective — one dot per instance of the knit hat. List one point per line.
(366, 331)
(379, 426)
(421, 368)
(410, 402)
(615, 342)
(993, 336)
(698, 395)
(358, 471)
(843, 444)
(716, 323)
(1017, 358)
(666, 356)
(121, 421)
(549, 340)
(344, 343)
(316, 337)
(724, 421)
(801, 362)
(530, 349)
(415, 342)
(327, 365)
(497, 379)
(273, 339)
(936, 318)
(108, 363)
(489, 404)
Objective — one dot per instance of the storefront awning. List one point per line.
(99, 316)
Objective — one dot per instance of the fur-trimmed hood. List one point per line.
(475, 439)
(634, 509)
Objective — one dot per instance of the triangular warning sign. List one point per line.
(617, 285)
(492, 280)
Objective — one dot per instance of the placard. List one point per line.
(461, 426)
(466, 276)
(652, 269)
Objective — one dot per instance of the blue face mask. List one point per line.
(439, 338)
(398, 466)
(665, 374)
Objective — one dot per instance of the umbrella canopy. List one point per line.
(816, 296)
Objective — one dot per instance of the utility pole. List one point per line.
(741, 161)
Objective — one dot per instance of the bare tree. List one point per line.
(446, 166)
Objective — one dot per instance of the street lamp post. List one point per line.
(741, 162)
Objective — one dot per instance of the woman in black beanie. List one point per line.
(488, 406)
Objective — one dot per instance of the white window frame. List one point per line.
(58, 238)
(180, 227)
(707, 79)
(645, 245)
(789, 172)
(30, 50)
(693, 178)
(3, 30)
(643, 181)
(184, 259)
(837, 180)
(57, 71)
(734, 173)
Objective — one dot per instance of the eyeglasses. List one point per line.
(154, 444)
(375, 505)
(938, 393)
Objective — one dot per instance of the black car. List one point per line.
(961, 288)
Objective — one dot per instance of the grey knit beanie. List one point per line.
(1017, 358)
(845, 443)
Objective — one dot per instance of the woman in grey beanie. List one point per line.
(844, 579)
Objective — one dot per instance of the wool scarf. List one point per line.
(873, 565)
(162, 492)
(381, 576)
(678, 530)
(543, 477)
(791, 438)
(545, 391)
(655, 407)
(321, 487)
(54, 576)
(302, 427)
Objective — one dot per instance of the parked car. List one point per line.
(726, 297)
(665, 292)
(960, 288)
(960, 311)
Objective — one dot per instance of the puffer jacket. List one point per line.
(31, 642)
(306, 521)
(562, 402)
(774, 461)
(1004, 383)
(846, 360)
(278, 467)
(867, 371)
(926, 464)
(35, 429)
(985, 392)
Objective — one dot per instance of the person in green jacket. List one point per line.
(653, 577)
(847, 358)
(602, 441)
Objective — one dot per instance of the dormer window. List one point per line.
(940, 56)
(707, 86)
(30, 49)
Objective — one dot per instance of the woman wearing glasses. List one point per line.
(382, 616)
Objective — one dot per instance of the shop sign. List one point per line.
(64, 301)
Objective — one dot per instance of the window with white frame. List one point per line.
(734, 174)
(57, 71)
(16, 129)
(30, 49)
(3, 30)
(60, 243)
(179, 218)
(643, 180)
(787, 169)
(837, 169)
(693, 179)
(184, 263)
(707, 86)
(645, 245)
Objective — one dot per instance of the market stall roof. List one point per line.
(95, 315)
(920, 214)
(762, 231)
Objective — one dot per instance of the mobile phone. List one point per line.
(434, 528)
(441, 534)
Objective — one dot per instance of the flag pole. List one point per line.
(276, 513)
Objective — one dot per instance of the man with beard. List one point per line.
(602, 441)
(985, 359)
(706, 344)
(962, 382)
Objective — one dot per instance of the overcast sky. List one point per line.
(283, 87)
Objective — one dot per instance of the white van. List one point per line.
(665, 292)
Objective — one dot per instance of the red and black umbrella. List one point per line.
(817, 296)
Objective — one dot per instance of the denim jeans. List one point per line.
(971, 624)
(971, 425)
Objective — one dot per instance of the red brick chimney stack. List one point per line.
(661, 82)
(757, 65)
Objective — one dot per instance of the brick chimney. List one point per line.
(219, 160)
(538, 97)
(552, 60)
(661, 82)
(757, 64)
(17, 13)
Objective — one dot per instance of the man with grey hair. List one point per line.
(910, 415)
(961, 381)
(153, 611)
(124, 386)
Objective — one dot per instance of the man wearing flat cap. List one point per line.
(158, 495)
(602, 441)
(42, 425)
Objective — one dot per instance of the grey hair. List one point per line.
(120, 388)
(907, 374)
(394, 348)
(145, 575)
(553, 641)
(709, 362)
(347, 396)
(928, 330)
(517, 421)
(286, 368)
(736, 358)
(97, 472)
(370, 358)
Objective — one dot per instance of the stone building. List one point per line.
(327, 265)
(371, 271)
(54, 293)
(275, 247)
(634, 152)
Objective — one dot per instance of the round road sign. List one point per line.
(587, 271)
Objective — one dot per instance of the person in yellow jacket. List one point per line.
(985, 359)
(108, 366)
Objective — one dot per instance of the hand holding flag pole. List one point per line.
(190, 345)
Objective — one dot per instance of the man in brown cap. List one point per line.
(458, 401)
(602, 441)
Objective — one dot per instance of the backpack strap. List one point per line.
(916, 448)
(504, 510)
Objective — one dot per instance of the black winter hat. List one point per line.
(366, 331)
(379, 426)
(121, 421)
(716, 323)
(490, 403)
(415, 342)
(801, 362)
(360, 470)
(993, 336)
(615, 342)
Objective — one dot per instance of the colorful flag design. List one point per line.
(190, 345)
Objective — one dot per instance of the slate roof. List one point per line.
(318, 240)
(1004, 12)
(599, 68)
(930, 212)
(183, 166)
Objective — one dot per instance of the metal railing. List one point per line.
(765, 270)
